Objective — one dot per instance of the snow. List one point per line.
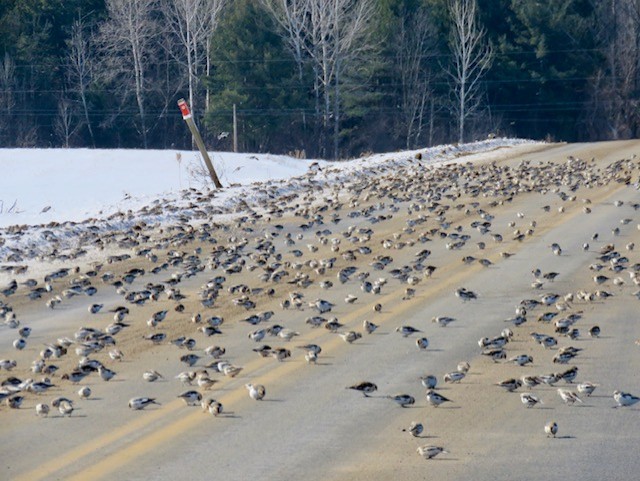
(76, 184)
(109, 189)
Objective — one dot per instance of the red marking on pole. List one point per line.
(184, 108)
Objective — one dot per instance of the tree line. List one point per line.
(322, 78)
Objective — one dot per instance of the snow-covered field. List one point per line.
(44, 185)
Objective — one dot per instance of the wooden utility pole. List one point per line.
(235, 129)
(188, 118)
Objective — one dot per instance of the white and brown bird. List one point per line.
(256, 391)
(64, 405)
(406, 331)
(435, 399)
(586, 388)
(151, 375)
(280, 353)
(350, 336)
(84, 392)
(463, 366)
(529, 400)
(369, 326)
(42, 410)
(415, 429)
(443, 321)
(522, 359)
(625, 399)
(138, 403)
(510, 385)
(288, 334)
(14, 402)
(551, 428)
(311, 357)
(116, 354)
(569, 397)
(454, 377)
(204, 381)
(429, 381)
(215, 408)
(191, 398)
(105, 373)
(429, 451)
(403, 400)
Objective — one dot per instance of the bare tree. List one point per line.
(329, 34)
(614, 88)
(472, 57)
(193, 22)
(336, 33)
(291, 16)
(80, 69)
(415, 36)
(66, 124)
(128, 41)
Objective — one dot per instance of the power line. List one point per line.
(381, 55)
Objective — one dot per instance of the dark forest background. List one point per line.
(378, 75)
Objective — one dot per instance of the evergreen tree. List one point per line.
(545, 55)
(253, 70)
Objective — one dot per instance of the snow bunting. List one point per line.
(84, 392)
(569, 397)
(529, 400)
(428, 451)
(42, 410)
(191, 398)
(256, 391)
(624, 398)
(522, 359)
(369, 327)
(443, 321)
(364, 387)
(586, 388)
(551, 428)
(138, 403)
(406, 331)
(350, 336)
(415, 429)
(151, 375)
(454, 377)
(510, 384)
(429, 381)
(403, 400)
(435, 399)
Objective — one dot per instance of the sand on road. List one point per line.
(309, 424)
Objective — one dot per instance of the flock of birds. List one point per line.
(331, 249)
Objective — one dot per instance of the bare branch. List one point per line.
(472, 57)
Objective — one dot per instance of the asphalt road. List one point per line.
(309, 425)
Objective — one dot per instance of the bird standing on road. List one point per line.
(624, 398)
(256, 392)
(436, 399)
(403, 400)
(429, 452)
(364, 387)
(406, 331)
(415, 429)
